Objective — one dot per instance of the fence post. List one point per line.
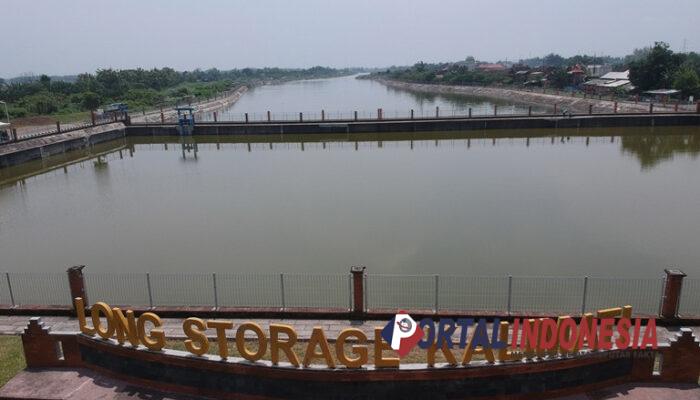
(301, 117)
(323, 115)
(246, 118)
(379, 113)
(555, 108)
(358, 292)
(412, 113)
(510, 293)
(9, 287)
(651, 108)
(615, 108)
(216, 294)
(470, 112)
(495, 110)
(58, 126)
(697, 108)
(529, 111)
(437, 111)
(162, 118)
(76, 282)
(284, 305)
(349, 292)
(269, 116)
(585, 295)
(590, 109)
(661, 296)
(437, 290)
(672, 293)
(215, 117)
(355, 115)
(14, 131)
(675, 107)
(92, 117)
(150, 292)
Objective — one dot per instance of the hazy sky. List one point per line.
(71, 36)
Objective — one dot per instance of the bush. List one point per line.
(41, 103)
(90, 101)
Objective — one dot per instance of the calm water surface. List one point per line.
(339, 97)
(620, 202)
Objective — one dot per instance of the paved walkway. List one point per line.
(14, 325)
(83, 384)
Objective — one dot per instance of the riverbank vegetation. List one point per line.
(656, 67)
(138, 88)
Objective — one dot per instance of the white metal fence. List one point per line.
(690, 298)
(478, 294)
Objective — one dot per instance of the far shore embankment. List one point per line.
(563, 101)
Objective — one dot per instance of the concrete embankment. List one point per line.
(574, 104)
(200, 108)
(424, 125)
(32, 149)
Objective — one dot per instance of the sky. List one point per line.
(73, 36)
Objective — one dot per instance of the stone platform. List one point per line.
(82, 384)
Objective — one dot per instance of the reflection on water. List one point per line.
(564, 202)
(652, 149)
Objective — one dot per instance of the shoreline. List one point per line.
(576, 104)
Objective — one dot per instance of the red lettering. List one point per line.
(548, 334)
(587, 329)
(649, 338)
(623, 330)
(567, 342)
(530, 336)
(605, 333)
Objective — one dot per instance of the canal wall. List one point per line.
(574, 104)
(424, 125)
(41, 147)
(200, 108)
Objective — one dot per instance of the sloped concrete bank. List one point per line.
(32, 149)
(170, 115)
(574, 104)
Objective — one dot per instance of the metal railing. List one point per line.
(690, 298)
(480, 294)
(46, 288)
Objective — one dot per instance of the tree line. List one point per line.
(138, 88)
(654, 67)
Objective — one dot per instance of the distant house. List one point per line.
(577, 74)
(520, 76)
(469, 64)
(609, 83)
(662, 95)
(487, 67)
(598, 70)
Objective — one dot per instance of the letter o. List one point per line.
(104, 332)
(240, 341)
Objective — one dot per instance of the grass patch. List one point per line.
(11, 358)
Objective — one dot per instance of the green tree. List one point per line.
(656, 70)
(90, 100)
(42, 103)
(687, 81)
(558, 78)
(45, 81)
